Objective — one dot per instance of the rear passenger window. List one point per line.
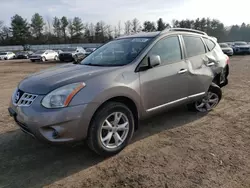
(210, 44)
(168, 49)
(194, 46)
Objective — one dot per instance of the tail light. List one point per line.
(228, 60)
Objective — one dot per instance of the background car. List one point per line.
(89, 50)
(226, 49)
(24, 55)
(72, 54)
(44, 55)
(230, 44)
(241, 48)
(7, 55)
(58, 51)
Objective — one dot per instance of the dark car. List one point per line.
(241, 48)
(23, 55)
(70, 54)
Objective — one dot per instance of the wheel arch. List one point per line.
(130, 103)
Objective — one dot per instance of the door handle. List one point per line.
(210, 64)
(182, 71)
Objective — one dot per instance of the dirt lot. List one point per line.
(175, 149)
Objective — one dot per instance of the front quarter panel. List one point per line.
(119, 83)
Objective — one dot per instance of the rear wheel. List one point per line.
(32, 60)
(56, 58)
(209, 101)
(111, 129)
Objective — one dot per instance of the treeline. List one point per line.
(74, 30)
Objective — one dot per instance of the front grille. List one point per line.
(244, 48)
(26, 98)
(65, 56)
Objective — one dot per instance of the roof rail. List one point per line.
(184, 29)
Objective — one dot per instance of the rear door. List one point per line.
(201, 75)
(167, 83)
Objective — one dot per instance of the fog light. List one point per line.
(55, 134)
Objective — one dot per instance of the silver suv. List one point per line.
(102, 98)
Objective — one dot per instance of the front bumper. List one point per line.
(241, 50)
(230, 53)
(66, 57)
(53, 125)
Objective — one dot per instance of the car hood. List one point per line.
(45, 81)
(67, 52)
(37, 54)
(242, 46)
(228, 48)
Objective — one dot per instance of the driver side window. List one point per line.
(168, 49)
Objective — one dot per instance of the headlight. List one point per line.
(62, 96)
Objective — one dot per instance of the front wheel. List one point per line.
(43, 59)
(209, 101)
(111, 129)
(56, 58)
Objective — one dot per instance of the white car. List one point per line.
(44, 55)
(7, 55)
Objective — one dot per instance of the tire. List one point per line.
(32, 60)
(97, 134)
(214, 94)
(75, 59)
(56, 58)
(43, 59)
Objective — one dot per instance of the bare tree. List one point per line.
(115, 32)
(109, 32)
(119, 29)
(135, 26)
(128, 27)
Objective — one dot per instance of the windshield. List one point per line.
(240, 43)
(40, 52)
(117, 52)
(3, 53)
(69, 49)
(224, 46)
(22, 53)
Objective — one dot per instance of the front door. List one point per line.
(167, 83)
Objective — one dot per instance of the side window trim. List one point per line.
(166, 37)
(205, 44)
(187, 35)
(155, 42)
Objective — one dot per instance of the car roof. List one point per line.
(141, 34)
(167, 31)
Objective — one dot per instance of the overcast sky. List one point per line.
(111, 11)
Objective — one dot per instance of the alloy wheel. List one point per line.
(114, 130)
(208, 102)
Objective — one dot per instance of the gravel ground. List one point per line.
(175, 149)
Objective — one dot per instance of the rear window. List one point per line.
(194, 46)
(210, 44)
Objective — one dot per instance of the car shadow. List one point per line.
(25, 162)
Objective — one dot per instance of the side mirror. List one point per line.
(154, 60)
